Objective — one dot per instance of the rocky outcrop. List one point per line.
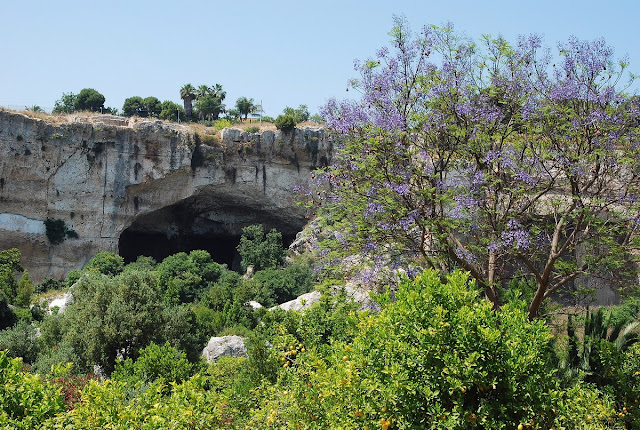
(225, 346)
(300, 303)
(60, 302)
(120, 183)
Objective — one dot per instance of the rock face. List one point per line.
(143, 187)
(225, 346)
(61, 302)
(300, 303)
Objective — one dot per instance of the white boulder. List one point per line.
(225, 346)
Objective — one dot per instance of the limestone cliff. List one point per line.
(105, 176)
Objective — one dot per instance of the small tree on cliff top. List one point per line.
(486, 157)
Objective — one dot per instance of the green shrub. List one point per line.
(106, 263)
(7, 316)
(190, 405)
(259, 250)
(627, 387)
(57, 231)
(179, 328)
(72, 277)
(142, 263)
(48, 284)
(285, 123)
(253, 129)
(209, 322)
(110, 316)
(222, 123)
(24, 290)
(20, 341)
(183, 278)
(155, 362)
(331, 319)
(60, 354)
(274, 286)
(9, 265)
(437, 357)
(26, 402)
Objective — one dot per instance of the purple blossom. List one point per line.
(525, 177)
(465, 255)
(401, 189)
(464, 202)
(515, 236)
(373, 208)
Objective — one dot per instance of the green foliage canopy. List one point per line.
(89, 99)
(66, 103)
(26, 402)
(259, 250)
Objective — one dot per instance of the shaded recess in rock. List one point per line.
(211, 223)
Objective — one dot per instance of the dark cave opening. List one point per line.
(190, 225)
(133, 244)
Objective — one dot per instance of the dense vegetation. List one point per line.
(534, 156)
(203, 104)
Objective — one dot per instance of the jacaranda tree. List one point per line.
(486, 156)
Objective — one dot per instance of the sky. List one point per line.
(280, 53)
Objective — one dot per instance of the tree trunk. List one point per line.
(188, 108)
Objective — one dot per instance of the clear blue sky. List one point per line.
(283, 53)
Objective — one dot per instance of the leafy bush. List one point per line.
(183, 278)
(57, 231)
(20, 341)
(259, 250)
(301, 114)
(106, 263)
(285, 123)
(47, 284)
(601, 347)
(89, 99)
(142, 263)
(208, 321)
(9, 265)
(626, 387)
(60, 354)
(274, 286)
(72, 277)
(25, 400)
(111, 316)
(222, 123)
(24, 290)
(253, 129)
(107, 405)
(179, 328)
(7, 316)
(155, 362)
(434, 358)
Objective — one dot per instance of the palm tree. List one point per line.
(203, 90)
(599, 330)
(245, 106)
(188, 94)
(218, 92)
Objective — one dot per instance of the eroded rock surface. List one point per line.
(123, 184)
(225, 346)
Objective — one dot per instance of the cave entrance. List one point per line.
(134, 243)
(211, 224)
